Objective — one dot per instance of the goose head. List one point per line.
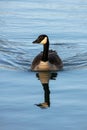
(42, 39)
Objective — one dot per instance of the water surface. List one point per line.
(65, 22)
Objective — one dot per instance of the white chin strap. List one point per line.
(44, 41)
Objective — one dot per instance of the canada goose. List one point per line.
(48, 60)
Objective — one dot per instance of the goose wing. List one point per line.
(36, 60)
(55, 59)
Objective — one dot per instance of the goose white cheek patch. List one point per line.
(44, 41)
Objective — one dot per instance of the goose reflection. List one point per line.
(44, 78)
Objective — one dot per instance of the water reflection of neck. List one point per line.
(46, 93)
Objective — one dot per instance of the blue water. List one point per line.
(65, 22)
(22, 21)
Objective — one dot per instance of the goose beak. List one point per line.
(36, 41)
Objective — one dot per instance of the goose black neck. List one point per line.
(45, 52)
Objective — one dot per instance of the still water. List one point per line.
(22, 93)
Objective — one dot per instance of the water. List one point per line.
(21, 22)
(65, 22)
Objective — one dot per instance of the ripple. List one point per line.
(13, 55)
(16, 55)
(76, 62)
